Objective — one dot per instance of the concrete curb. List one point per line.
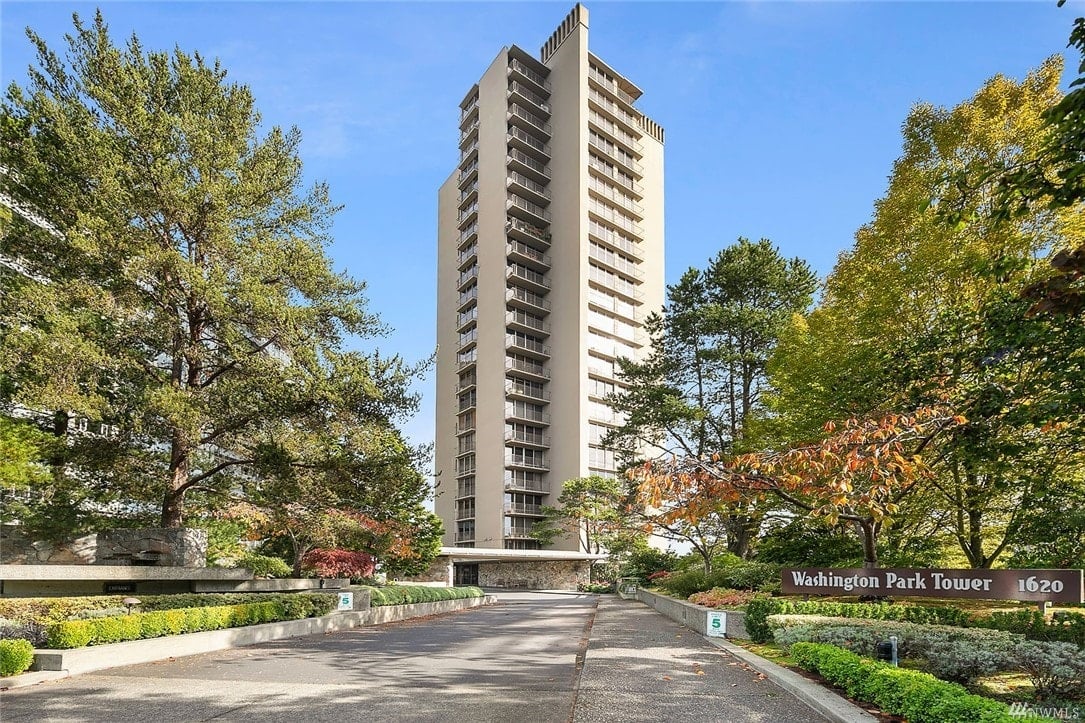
(818, 697)
(55, 664)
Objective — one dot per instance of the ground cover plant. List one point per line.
(15, 656)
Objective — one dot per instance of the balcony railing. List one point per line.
(528, 139)
(537, 188)
(613, 238)
(613, 195)
(611, 214)
(529, 321)
(527, 297)
(616, 154)
(466, 255)
(522, 508)
(515, 248)
(515, 111)
(536, 233)
(468, 276)
(525, 274)
(465, 514)
(610, 85)
(615, 262)
(536, 78)
(468, 337)
(534, 209)
(531, 96)
(467, 233)
(468, 151)
(615, 131)
(542, 486)
(541, 440)
(597, 97)
(518, 343)
(519, 390)
(511, 412)
(465, 537)
(518, 156)
(524, 367)
(622, 180)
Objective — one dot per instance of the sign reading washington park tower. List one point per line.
(1032, 585)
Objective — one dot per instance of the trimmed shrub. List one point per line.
(78, 633)
(1066, 627)
(263, 565)
(15, 657)
(758, 610)
(950, 653)
(52, 610)
(919, 697)
(598, 588)
(1057, 670)
(410, 594)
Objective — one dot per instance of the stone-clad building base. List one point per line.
(514, 569)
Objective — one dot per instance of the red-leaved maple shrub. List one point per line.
(338, 563)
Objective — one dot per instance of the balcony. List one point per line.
(519, 138)
(525, 415)
(466, 359)
(468, 213)
(520, 391)
(471, 191)
(613, 195)
(466, 404)
(610, 86)
(465, 448)
(614, 110)
(467, 339)
(528, 256)
(469, 134)
(539, 440)
(616, 155)
(469, 151)
(532, 369)
(467, 254)
(467, 297)
(516, 343)
(527, 322)
(465, 515)
(518, 160)
(518, 228)
(466, 277)
(463, 385)
(469, 113)
(522, 508)
(522, 485)
(468, 234)
(469, 173)
(465, 537)
(531, 190)
(530, 463)
(527, 120)
(462, 428)
(524, 276)
(517, 297)
(615, 132)
(531, 212)
(518, 70)
(603, 234)
(615, 262)
(611, 215)
(599, 166)
(520, 92)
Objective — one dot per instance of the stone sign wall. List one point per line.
(182, 547)
(534, 575)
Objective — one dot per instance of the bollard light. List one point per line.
(130, 602)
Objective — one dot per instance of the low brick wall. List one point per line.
(693, 616)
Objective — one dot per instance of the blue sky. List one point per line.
(782, 118)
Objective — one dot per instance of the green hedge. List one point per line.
(409, 594)
(1064, 627)
(918, 697)
(15, 656)
(99, 631)
(758, 611)
(57, 609)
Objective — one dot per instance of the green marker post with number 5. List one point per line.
(716, 624)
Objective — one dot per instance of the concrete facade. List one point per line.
(550, 258)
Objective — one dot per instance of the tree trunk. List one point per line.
(870, 543)
(174, 500)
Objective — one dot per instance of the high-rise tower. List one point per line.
(550, 257)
